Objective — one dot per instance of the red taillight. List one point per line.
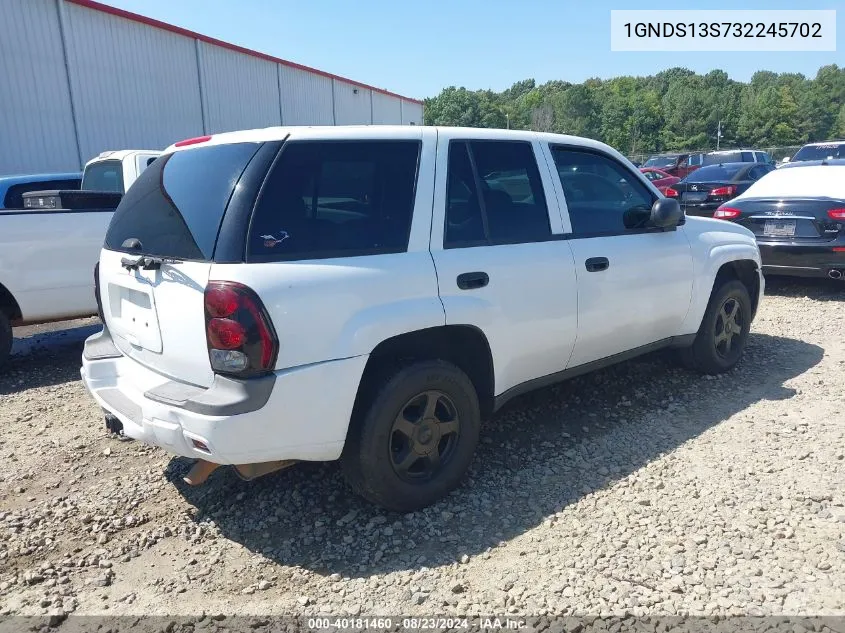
(724, 191)
(221, 301)
(226, 334)
(671, 193)
(193, 141)
(726, 213)
(836, 214)
(240, 336)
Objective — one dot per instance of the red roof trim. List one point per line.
(97, 6)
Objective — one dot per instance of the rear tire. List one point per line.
(721, 339)
(5, 337)
(414, 437)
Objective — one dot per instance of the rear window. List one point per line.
(714, 173)
(336, 199)
(104, 176)
(176, 205)
(821, 152)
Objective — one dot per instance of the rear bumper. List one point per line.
(287, 415)
(802, 260)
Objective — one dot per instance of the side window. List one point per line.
(652, 175)
(336, 199)
(601, 195)
(695, 160)
(748, 157)
(494, 195)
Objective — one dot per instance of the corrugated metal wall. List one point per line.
(75, 81)
(386, 109)
(352, 104)
(36, 124)
(412, 113)
(306, 97)
(133, 86)
(240, 92)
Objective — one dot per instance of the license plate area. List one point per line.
(133, 316)
(694, 196)
(779, 228)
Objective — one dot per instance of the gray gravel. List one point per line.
(642, 489)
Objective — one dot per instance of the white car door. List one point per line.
(634, 283)
(501, 263)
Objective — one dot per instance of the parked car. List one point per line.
(705, 189)
(798, 218)
(369, 294)
(12, 188)
(659, 178)
(818, 151)
(672, 164)
(810, 163)
(737, 156)
(51, 242)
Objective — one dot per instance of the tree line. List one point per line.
(673, 110)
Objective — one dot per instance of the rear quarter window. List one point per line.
(176, 205)
(327, 199)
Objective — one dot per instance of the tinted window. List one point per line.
(104, 176)
(336, 199)
(176, 205)
(601, 195)
(821, 152)
(714, 173)
(696, 159)
(501, 201)
(14, 195)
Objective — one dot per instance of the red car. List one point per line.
(660, 178)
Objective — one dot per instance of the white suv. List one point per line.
(370, 294)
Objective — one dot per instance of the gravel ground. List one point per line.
(640, 489)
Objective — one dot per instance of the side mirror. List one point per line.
(665, 213)
(785, 159)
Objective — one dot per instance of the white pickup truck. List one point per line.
(370, 294)
(48, 253)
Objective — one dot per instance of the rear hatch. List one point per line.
(790, 219)
(157, 257)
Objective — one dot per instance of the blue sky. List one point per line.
(418, 48)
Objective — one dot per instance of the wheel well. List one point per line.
(464, 346)
(8, 305)
(744, 270)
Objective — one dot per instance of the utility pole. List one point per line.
(508, 119)
(718, 135)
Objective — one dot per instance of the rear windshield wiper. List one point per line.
(147, 262)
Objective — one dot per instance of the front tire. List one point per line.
(724, 330)
(5, 337)
(415, 439)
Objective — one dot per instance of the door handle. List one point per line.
(597, 264)
(471, 281)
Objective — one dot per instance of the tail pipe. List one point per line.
(834, 273)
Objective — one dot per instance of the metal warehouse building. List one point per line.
(78, 77)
